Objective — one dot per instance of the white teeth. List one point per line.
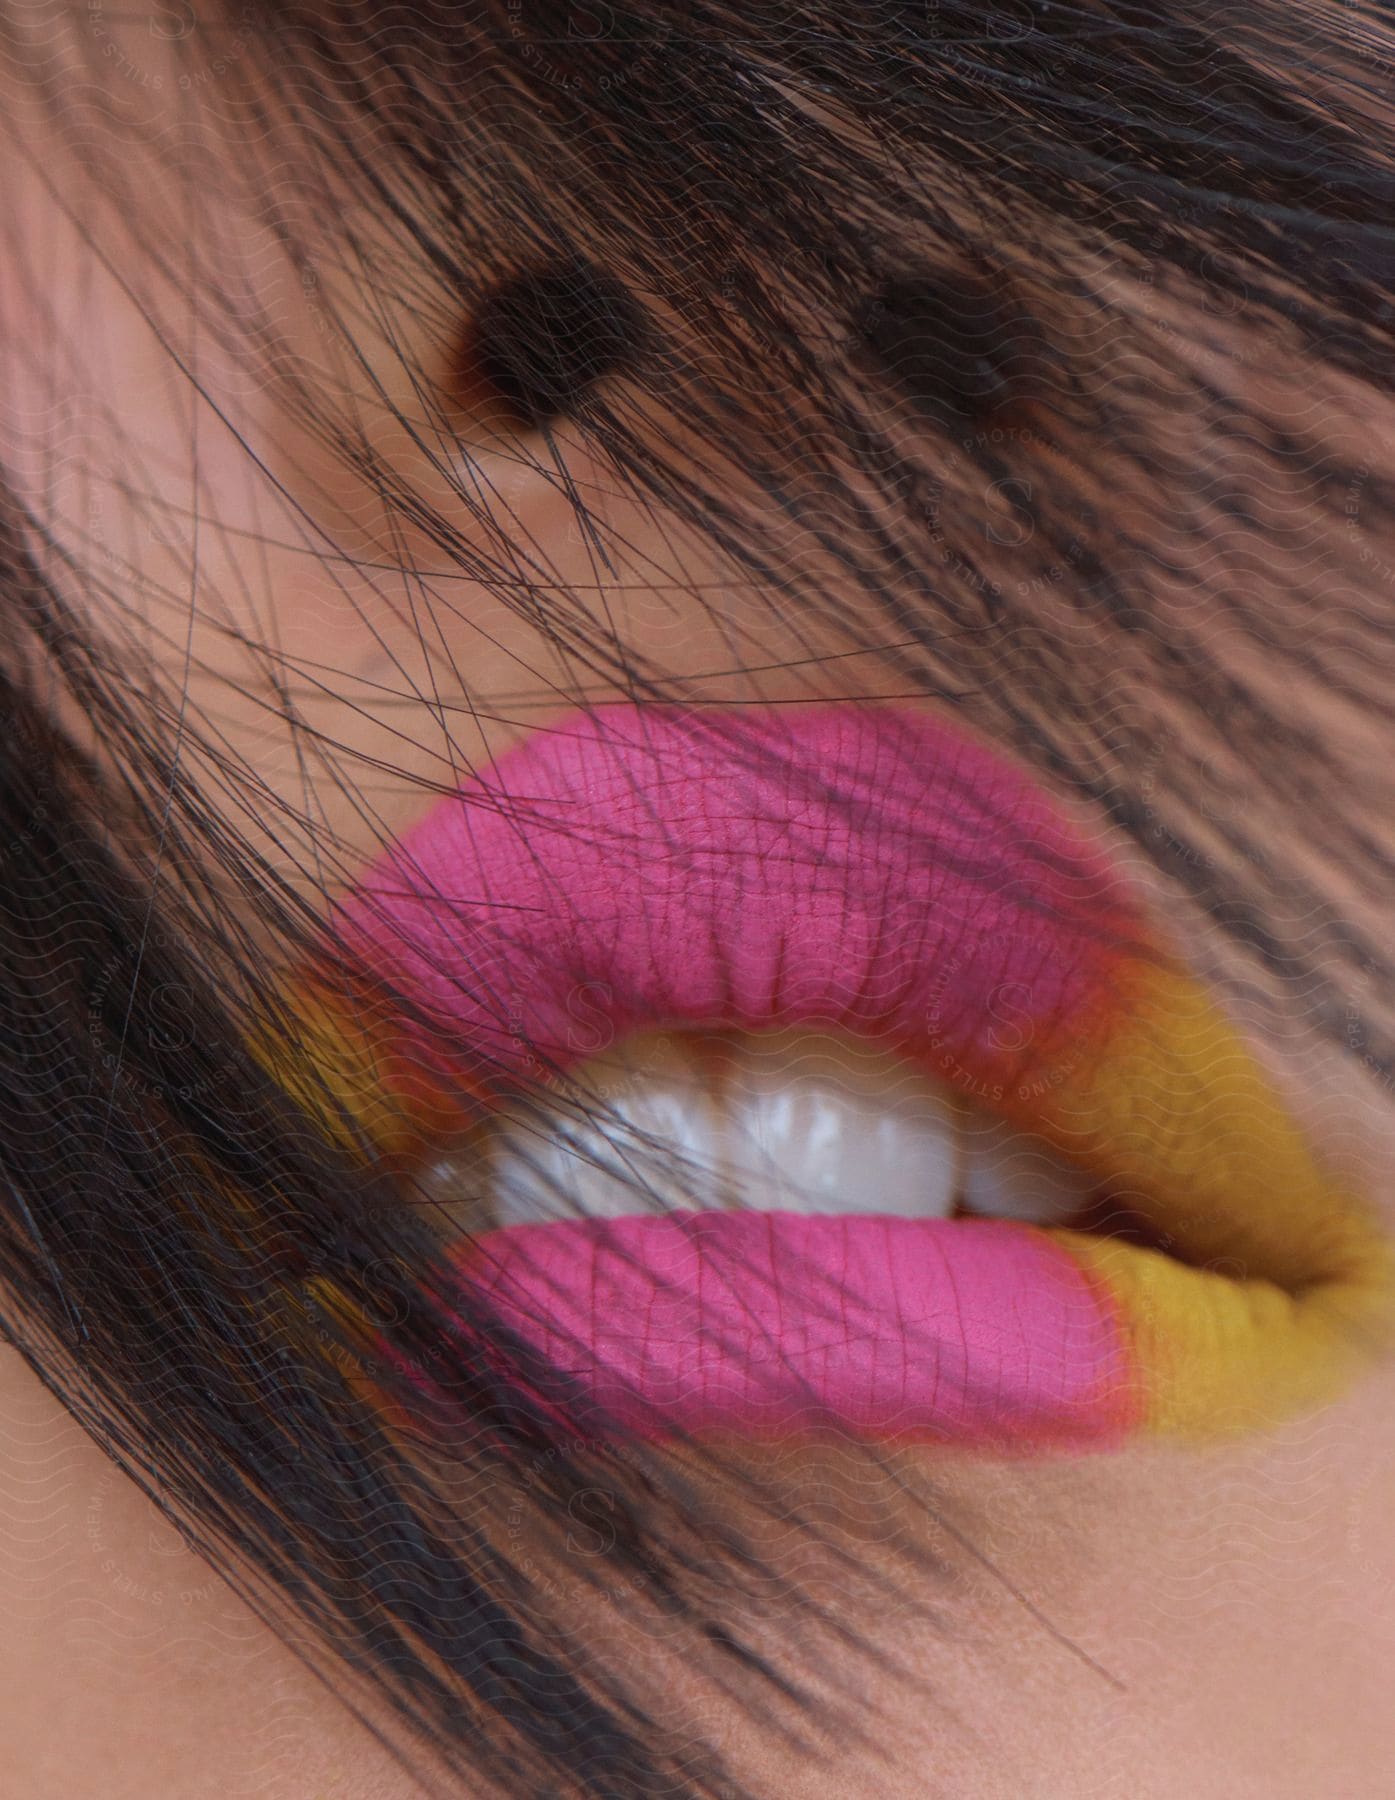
(655, 1145)
(1009, 1174)
(824, 1125)
(788, 1121)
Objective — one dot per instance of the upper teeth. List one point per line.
(787, 1120)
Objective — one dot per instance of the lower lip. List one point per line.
(884, 876)
(764, 1324)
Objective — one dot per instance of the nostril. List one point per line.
(959, 348)
(543, 338)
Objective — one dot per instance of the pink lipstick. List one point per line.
(874, 873)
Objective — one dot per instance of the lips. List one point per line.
(872, 872)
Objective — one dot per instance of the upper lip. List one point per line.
(874, 871)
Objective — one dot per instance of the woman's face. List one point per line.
(1164, 1619)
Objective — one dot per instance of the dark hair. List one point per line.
(942, 304)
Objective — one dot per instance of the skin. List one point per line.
(1157, 1623)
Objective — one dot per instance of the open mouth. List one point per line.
(1056, 1203)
